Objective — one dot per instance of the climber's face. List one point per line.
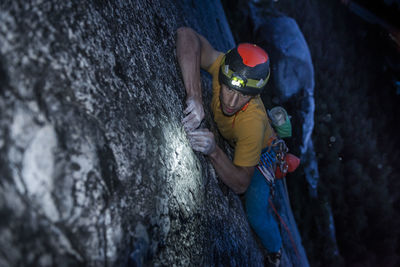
(232, 100)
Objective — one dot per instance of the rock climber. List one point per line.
(238, 78)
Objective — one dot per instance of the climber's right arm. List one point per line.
(193, 51)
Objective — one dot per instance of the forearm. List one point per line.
(188, 49)
(236, 178)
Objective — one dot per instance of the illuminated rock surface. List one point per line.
(94, 163)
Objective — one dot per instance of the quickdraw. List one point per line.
(273, 157)
(283, 150)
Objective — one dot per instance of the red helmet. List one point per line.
(245, 68)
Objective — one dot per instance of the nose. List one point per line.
(234, 100)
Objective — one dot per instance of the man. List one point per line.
(238, 79)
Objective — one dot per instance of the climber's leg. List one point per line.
(260, 215)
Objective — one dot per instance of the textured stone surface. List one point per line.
(94, 162)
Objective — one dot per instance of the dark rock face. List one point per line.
(94, 163)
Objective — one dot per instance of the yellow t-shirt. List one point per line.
(248, 131)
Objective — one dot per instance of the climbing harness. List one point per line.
(272, 159)
(267, 164)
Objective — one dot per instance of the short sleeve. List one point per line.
(213, 69)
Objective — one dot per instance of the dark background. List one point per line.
(356, 66)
